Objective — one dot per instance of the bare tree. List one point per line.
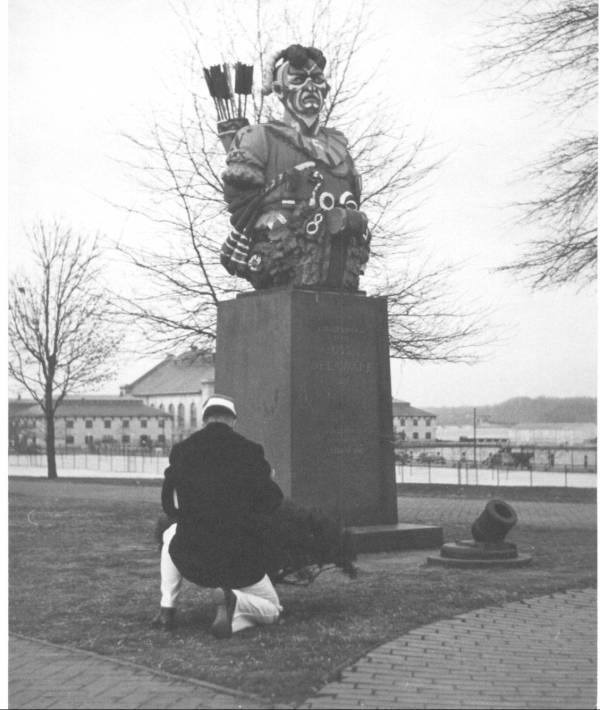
(59, 340)
(182, 168)
(555, 45)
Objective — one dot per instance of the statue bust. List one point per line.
(292, 189)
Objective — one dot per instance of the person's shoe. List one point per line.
(225, 600)
(165, 619)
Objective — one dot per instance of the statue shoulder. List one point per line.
(251, 143)
(334, 134)
(247, 155)
(250, 137)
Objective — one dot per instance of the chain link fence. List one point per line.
(466, 475)
(148, 463)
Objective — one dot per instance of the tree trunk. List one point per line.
(50, 443)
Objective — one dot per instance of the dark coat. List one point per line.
(223, 487)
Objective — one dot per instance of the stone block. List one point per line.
(309, 371)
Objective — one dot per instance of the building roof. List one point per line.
(95, 406)
(403, 409)
(19, 405)
(185, 374)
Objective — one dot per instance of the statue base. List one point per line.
(309, 372)
(518, 561)
(470, 553)
(386, 538)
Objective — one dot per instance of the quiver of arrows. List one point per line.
(230, 98)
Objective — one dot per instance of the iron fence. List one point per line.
(565, 476)
(132, 461)
(154, 463)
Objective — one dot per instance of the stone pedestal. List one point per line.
(309, 372)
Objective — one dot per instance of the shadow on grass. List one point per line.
(86, 574)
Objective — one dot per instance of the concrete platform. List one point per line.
(401, 536)
(518, 561)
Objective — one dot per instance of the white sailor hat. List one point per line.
(216, 402)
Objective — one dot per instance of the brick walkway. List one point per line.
(44, 675)
(540, 653)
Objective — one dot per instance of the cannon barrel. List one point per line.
(494, 522)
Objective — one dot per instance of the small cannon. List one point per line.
(494, 523)
(488, 546)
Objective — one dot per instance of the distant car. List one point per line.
(402, 457)
(35, 449)
(430, 458)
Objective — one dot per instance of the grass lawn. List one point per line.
(85, 574)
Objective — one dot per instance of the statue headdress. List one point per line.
(296, 55)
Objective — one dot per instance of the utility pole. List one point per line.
(475, 438)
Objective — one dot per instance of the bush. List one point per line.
(300, 544)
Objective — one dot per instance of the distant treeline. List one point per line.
(520, 410)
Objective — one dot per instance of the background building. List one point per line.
(178, 386)
(90, 423)
(21, 427)
(412, 424)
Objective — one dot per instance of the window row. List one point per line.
(89, 423)
(415, 421)
(125, 439)
(179, 421)
(415, 435)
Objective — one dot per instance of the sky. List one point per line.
(84, 72)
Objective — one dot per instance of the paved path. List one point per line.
(540, 653)
(44, 675)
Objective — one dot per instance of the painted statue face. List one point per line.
(302, 91)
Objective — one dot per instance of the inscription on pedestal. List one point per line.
(338, 344)
(310, 373)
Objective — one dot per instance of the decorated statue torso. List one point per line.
(269, 149)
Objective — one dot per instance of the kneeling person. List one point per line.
(216, 486)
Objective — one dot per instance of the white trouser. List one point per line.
(256, 604)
